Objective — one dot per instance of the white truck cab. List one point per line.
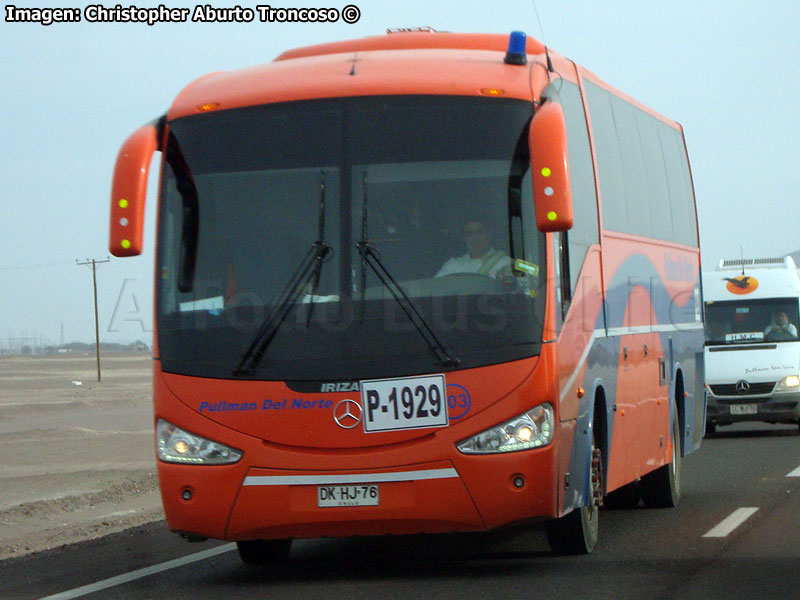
(752, 348)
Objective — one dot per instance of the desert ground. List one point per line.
(76, 455)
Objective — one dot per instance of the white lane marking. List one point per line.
(736, 518)
(139, 573)
(795, 473)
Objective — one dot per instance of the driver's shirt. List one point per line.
(489, 264)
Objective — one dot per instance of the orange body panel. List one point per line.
(481, 496)
(576, 334)
(641, 422)
(272, 411)
(641, 439)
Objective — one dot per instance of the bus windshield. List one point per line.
(752, 321)
(289, 196)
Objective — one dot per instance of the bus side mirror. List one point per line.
(547, 141)
(128, 191)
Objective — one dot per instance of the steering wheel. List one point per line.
(467, 274)
(500, 284)
(481, 283)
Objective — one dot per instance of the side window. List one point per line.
(680, 187)
(643, 171)
(657, 181)
(609, 162)
(584, 232)
(630, 149)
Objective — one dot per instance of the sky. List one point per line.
(727, 70)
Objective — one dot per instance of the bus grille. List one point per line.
(756, 389)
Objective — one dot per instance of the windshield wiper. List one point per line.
(369, 256)
(307, 273)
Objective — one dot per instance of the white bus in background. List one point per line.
(752, 349)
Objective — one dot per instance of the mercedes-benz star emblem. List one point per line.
(742, 387)
(347, 413)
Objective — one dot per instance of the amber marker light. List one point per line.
(581, 392)
(492, 91)
(123, 204)
(208, 107)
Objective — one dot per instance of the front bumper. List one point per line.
(781, 407)
(469, 494)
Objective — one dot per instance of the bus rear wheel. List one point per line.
(577, 532)
(264, 552)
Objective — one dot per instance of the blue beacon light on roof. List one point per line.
(515, 55)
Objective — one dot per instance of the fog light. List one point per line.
(186, 494)
(519, 481)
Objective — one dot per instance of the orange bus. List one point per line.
(416, 283)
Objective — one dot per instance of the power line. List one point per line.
(94, 264)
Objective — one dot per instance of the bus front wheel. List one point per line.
(577, 532)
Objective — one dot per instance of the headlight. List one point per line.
(174, 445)
(788, 383)
(533, 429)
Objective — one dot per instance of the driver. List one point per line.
(781, 323)
(480, 258)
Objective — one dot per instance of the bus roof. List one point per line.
(408, 40)
(455, 64)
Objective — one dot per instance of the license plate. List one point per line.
(347, 495)
(404, 403)
(744, 409)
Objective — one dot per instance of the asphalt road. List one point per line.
(736, 534)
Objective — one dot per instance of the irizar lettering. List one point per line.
(350, 386)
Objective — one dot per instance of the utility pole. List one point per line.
(94, 264)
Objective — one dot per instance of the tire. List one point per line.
(662, 487)
(577, 532)
(264, 552)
